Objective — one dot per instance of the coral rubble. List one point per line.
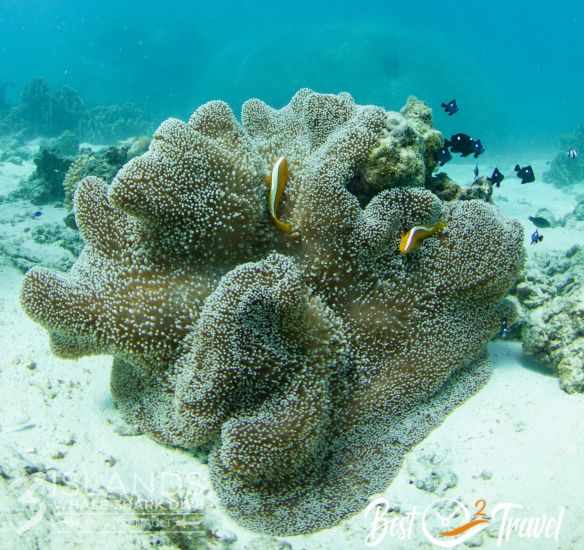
(448, 190)
(552, 326)
(51, 245)
(429, 470)
(310, 362)
(60, 165)
(404, 155)
(104, 164)
(46, 183)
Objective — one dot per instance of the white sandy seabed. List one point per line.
(519, 441)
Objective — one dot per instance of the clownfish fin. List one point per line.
(440, 226)
(285, 227)
(268, 180)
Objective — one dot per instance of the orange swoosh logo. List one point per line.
(463, 528)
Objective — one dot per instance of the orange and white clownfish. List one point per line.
(276, 184)
(412, 239)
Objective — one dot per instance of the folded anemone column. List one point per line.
(259, 372)
(268, 314)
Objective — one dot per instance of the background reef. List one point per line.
(279, 376)
(551, 296)
(563, 170)
(505, 66)
(43, 112)
(309, 362)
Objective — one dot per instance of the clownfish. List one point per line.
(412, 239)
(276, 184)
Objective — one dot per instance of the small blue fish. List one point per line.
(476, 172)
(451, 107)
(536, 237)
(504, 332)
(37, 214)
(572, 154)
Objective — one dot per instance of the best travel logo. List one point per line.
(447, 522)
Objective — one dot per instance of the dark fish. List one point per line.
(536, 237)
(465, 145)
(539, 221)
(476, 171)
(451, 107)
(479, 148)
(37, 214)
(504, 332)
(525, 174)
(460, 143)
(572, 153)
(496, 177)
(443, 156)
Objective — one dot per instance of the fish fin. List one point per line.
(285, 227)
(268, 181)
(403, 243)
(440, 226)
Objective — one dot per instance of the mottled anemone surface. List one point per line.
(309, 363)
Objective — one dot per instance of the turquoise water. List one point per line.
(515, 67)
(281, 362)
